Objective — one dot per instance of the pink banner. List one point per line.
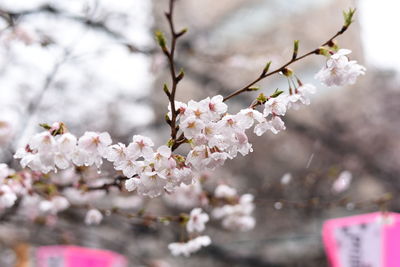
(72, 256)
(368, 240)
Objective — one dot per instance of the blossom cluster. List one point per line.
(8, 189)
(46, 152)
(15, 185)
(236, 216)
(150, 172)
(187, 248)
(339, 70)
(195, 224)
(214, 136)
(213, 133)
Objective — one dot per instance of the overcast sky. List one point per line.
(381, 38)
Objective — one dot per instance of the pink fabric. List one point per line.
(72, 256)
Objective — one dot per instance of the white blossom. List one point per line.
(276, 105)
(151, 184)
(224, 191)
(286, 178)
(186, 196)
(131, 184)
(92, 147)
(116, 153)
(277, 124)
(249, 116)
(6, 131)
(192, 126)
(5, 171)
(54, 205)
(189, 247)
(343, 181)
(339, 70)
(7, 197)
(93, 217)
(141, 146)
(197, 221)
(237, 217)
(303, 92)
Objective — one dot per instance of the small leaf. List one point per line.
(167, 119)
(161, 39)
(266, 68)
(182, 32)
(348, 17)
(323, 51)
(45, 126)
(170, 142)
(295, 49)
(166, 90)
(180, 75)
(262, 98)
(276, 93)
(253, 88)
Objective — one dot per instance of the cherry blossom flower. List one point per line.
(54, 205)
(116, 153)
(262, 127)
(93, 217)
(200, 110)
(94, 143)
(6, 131)
(276, 105)
(132, 184)
(180, 107)
(224, 191)
(189, 247)
(286, 178)
(92, 147)
(197, 221)
(7, 197)
(217, 105)
(237, 217)
(151, 184)
(303, 91)
(186, 196)
(339, 70)
(5, 171)
(277, 125)
(249, 116)
(343, 181)
(192, 127)
(141, 146)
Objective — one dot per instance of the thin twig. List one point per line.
(294, 59)
(174, 77)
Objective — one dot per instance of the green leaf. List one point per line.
(161, 39)
(45, 126)
(180, 75)
(276, 93)
(253, 88)
(266, 68)
(348, 16)
(295, 49)
(166, 90)
(262, 98)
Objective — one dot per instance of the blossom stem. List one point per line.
(294, 59)
(170, 54)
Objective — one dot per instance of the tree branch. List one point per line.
(175, 78)
(264, 74)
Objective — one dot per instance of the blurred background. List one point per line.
(94, 65)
